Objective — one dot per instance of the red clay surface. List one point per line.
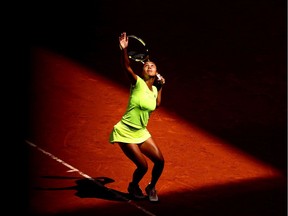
(73, 110)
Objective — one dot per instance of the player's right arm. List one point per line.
(125, 62)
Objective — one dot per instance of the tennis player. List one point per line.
(131, 133)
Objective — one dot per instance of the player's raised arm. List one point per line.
(123, 42)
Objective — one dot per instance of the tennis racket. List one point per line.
(139, 52)
(137, 49)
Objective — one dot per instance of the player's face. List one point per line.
(149, 68)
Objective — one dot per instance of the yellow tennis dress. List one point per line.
(132, 126)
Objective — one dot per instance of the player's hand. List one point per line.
(123, 40)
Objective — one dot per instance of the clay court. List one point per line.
(221, 127)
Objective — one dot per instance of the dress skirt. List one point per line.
(124, 133)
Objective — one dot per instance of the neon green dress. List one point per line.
(132, 126)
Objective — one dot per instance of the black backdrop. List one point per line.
(224, 61)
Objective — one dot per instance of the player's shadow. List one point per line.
(95, 188)
(89, 188)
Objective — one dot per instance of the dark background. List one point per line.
(224, 61)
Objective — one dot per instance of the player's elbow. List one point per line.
(158, 103)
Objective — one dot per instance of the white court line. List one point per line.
(73, 169)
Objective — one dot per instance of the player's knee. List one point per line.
(143, 168)
(160, 162)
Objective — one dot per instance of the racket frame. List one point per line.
(145, 54)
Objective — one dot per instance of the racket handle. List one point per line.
(160, 80)
(158, 76)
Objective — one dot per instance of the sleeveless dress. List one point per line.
(132, 126)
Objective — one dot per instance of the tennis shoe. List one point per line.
(152, 193)
(135, 191)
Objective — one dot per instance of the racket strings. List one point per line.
(137, 49)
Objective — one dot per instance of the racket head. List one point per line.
(137, 49)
